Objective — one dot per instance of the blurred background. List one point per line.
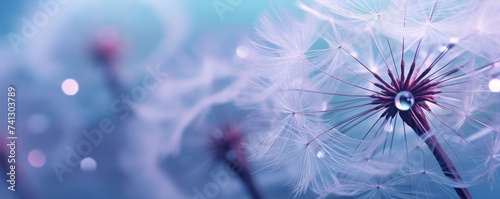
(159, 76)
(133, 99)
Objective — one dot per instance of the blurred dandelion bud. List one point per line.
(107, 47)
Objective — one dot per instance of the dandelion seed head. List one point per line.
(226, 143)
(412, 96)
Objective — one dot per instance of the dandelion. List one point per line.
(191, 139)
(420, 77)
(213, 161)
(227, 146)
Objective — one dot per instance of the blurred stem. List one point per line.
(250, 184)
(243, 170)
(444, 161)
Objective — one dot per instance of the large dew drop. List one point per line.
(404, 100)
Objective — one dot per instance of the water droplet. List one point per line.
(354, 54)
(453, 40)
(404, 100)
(324, 106)
(374, 68)
(320, 154)
(494, 85)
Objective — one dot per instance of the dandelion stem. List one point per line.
(420, 126)
(246, 177)
(445, 162)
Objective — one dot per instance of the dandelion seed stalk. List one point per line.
(228, 148)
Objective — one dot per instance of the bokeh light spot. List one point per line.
(36, 158)
(388, 127)
(69, 87)
(242, 51)
(320, 154)
(494, 85)
(324, 106)
(88, 164)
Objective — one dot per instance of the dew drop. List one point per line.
(453, 40)
(320, 154)
(494, 85)
(324, 106)
(404, 100)
(354, 54)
